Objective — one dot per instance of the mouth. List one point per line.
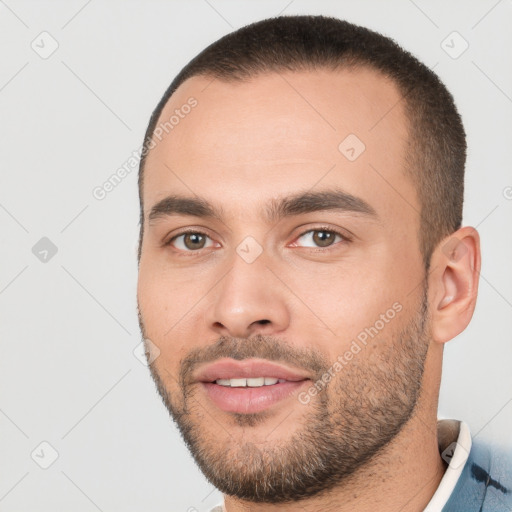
(252, 382)
(249, 386)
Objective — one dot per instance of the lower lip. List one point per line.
(250, 400)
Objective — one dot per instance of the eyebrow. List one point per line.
(276, 209)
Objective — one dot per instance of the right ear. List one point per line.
(454, 283)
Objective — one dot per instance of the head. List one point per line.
(301, 195)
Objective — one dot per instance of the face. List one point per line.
(280, 278)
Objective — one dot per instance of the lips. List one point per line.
(248, 369)
(249, 386)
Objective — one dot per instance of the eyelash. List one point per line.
(344, 238)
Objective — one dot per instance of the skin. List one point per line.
(274, 136)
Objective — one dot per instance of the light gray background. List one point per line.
(68, 325)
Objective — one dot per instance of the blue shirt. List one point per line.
(485, 483)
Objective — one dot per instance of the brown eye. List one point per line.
(323, 238)
(194, 241)
(191, 241)
(320, 238)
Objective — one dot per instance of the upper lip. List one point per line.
(249, 368)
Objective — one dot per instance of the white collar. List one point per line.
(457, 453)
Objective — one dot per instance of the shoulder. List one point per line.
(485, 482)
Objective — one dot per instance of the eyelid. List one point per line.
(197, 231)
(347, 238)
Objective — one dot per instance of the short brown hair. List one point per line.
(436, 151)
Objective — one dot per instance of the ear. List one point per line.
(453, 283)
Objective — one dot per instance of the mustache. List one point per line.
(259, 346)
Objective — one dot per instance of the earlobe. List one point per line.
(454, 283)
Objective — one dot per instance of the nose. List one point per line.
(248, 300)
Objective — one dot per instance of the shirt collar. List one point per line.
(454, 450)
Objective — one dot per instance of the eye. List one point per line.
(191, 241)
(320, 238)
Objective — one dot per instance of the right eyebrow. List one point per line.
(179, 205)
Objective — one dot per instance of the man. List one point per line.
(301, 265)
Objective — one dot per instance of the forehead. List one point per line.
(277, 133)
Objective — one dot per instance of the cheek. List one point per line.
(344, 295)
(166, 296)
(172, 302)
(163, 305)
(346, 305)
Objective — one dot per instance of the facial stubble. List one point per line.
(342, 428)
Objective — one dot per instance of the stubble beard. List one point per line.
(346, 425)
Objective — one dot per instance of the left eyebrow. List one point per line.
(310, 202)
(277, 209)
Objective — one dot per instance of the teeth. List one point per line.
(254, 382)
